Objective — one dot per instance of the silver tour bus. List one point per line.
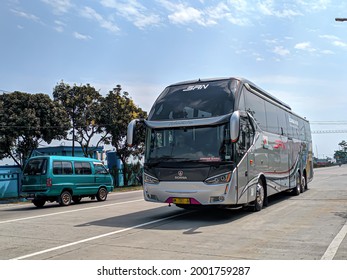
(223, 142)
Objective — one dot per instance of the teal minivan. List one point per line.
(64, 179)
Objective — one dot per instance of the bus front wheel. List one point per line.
(260, 196)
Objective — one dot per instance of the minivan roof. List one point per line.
(64, 158)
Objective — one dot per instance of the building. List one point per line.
(62, 150)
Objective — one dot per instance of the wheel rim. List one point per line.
(102, 194)
(66, 198)
(298, 183)
(260, 194)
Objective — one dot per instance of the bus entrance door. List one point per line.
(245, 157)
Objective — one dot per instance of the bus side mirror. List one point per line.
(235, 126)
(131, 132)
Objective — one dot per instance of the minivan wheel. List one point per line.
(65, 198)
(39, 202)
(102, 194)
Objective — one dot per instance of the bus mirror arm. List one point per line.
(131, 131)
(235, 126)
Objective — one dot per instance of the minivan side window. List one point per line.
(100, 169)
(62, 168)
(82, 168)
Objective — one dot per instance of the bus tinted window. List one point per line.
(188, 101)
(271, 117)
(256, 107)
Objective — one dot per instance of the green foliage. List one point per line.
(84, 107)
(341, 155)
(26, 120)
(118, 110)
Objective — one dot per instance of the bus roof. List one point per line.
(251, 86)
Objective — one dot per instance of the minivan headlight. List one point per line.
(150, 179)
(219, 179)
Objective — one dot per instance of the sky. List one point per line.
(293, 49)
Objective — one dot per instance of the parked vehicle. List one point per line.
(223, 142)
(65, 179)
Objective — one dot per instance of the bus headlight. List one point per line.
(219, 179)
(150, 179)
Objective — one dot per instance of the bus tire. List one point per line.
(65, 198)
(39, 202)
(304, 182)
(297, 189)
(259, 196)
(101, 194)
(303, 185)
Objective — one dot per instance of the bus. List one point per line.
(223, 142)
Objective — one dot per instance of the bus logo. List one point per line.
(181, 176)
(196, 87)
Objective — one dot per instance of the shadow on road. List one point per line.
(174, 218)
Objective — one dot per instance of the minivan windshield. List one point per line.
(35, 167)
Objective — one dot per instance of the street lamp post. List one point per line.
(340, 19)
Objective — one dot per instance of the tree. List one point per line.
(341, 155)
(118, 110)
(25, 121)
(83, 105)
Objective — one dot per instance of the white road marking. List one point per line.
(68, 211)
(96, 237)
(335, 244)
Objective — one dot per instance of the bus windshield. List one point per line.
(203, 144)
(191, 101)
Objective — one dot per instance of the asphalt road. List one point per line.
(311, 226)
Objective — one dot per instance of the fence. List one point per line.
(10, 179)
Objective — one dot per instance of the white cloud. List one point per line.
(59, 26)
(59, 6)
(329, 37)
(280, 50)
(133, 11)
(305, 46)
(233, 13)
(80, 36)
(314, 5)
(268, 8)
(340, 44)
(182, 13)
(26, 15)
(90, 13)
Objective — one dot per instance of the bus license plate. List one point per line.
(180, 200)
